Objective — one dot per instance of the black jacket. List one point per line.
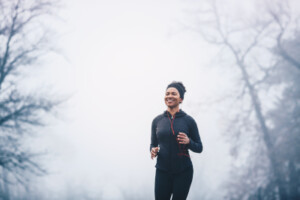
(172, 156)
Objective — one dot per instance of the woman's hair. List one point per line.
(179, 86)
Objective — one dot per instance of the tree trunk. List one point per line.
(293, 181)
(266, 137)
(5, 185)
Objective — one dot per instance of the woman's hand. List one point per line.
(183, 138)
(154, 151)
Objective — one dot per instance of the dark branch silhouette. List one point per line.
(22, 40)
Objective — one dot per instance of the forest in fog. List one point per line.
(80, 82)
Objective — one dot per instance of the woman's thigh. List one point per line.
(182, 183)
(163, 185)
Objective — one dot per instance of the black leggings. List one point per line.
(167, 184)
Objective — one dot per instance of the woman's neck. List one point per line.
(172, 111)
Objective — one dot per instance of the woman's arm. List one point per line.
(195, 140)
(154, 142)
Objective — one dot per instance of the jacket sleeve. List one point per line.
(195, 141)
(154, 142)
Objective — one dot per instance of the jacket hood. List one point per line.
(180, 113)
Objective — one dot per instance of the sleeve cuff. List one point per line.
(190, 144)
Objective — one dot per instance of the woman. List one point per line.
(173, 133)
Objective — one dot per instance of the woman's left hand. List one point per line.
(183, 138)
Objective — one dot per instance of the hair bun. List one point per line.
(179, 86)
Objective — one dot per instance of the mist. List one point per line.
(113, 62)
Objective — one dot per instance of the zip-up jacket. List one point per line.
(172, 156)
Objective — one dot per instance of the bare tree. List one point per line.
(282, 18)
(251, 45)
(23, 39)
(285, 117)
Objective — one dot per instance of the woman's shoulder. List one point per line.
(157, 118)
(189, 118)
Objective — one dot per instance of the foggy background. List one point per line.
(109, 64)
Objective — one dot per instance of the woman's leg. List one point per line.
(163, 185)
(182, 183)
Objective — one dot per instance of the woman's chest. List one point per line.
(166, 128)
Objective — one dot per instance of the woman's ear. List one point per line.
(180, 100)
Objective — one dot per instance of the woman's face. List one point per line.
(172, 98)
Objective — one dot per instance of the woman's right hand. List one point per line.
(154, 151)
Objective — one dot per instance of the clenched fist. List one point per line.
(183, 138)
(154, 151)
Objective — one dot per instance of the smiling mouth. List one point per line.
(170, 100)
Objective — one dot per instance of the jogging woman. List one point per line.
(174, 133)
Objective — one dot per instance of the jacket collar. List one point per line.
(180, 113)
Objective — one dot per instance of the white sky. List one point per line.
(118, 57)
